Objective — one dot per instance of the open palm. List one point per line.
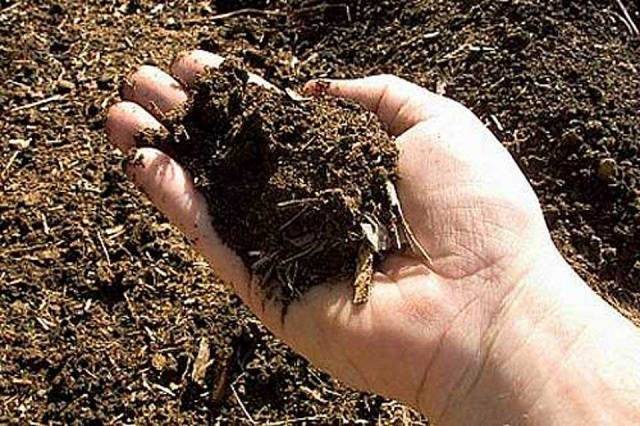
(424, 334)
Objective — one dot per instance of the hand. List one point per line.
(439, 339)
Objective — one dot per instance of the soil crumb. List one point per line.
(298, 188)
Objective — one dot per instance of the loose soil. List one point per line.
(290, 182)
(105, 311)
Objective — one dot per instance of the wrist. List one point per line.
(543, 360)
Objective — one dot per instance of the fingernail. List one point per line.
(126, 84)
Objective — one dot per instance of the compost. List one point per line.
(298, 187)
(105, 309)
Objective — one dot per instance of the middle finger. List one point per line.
(155, 90)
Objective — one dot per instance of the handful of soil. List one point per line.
(301, 189)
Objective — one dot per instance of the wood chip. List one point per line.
(364, 276)
(202, 363)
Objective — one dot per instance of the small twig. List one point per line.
(497, 122)
(53, 98)
(9, 164)
(299, 420)
(152, 337)
(410, 237)
(294, 218)
(104, 248)
(291, 203)
(74, 402)
(324, 6)
(624, 21)
(427, 36)
(312, 249)
(45, 225)
(628, 18)
(308, 143)
(242, 407)
(130, 307)
(163, 389)
(22, 250)
(43, 323)
(222, 382)
(239, 12)
(263, 260)
(416, 246)
(253, 11)
(10, 8)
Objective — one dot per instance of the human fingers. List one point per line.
(397, 102)
(153, 89)
(169, 187)
(125, 120)
(189, 65)
(172, 191)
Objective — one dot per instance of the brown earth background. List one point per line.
(103, 305)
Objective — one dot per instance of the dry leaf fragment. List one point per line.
(202, 362)
(409, 237)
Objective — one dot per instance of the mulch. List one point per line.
(106, 314)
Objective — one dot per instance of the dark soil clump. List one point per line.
(289, 182)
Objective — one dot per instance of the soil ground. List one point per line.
(104, 308)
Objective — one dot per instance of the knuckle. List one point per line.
(457, 110)
(389, 79)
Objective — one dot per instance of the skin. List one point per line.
(499, 330)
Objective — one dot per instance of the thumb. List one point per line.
(398, 103)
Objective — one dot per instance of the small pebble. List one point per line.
(607, 169)
(571, 137)
(65, 86)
